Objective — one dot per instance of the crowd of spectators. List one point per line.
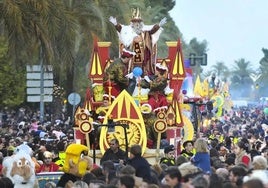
(230, 151)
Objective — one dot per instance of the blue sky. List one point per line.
(234, 29)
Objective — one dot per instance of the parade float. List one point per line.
(130, 117)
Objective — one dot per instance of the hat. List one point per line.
(136, 15)
(169, 148)
(127, 54)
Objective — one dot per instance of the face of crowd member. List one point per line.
(114, 146)
(171, 154)
(232, 178)
(171, 182)
(265, 153)
(12, 142)
(47, 160)
(222, 151)
(237, 150)
(189, 147)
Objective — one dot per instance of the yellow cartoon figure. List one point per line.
(77, 163)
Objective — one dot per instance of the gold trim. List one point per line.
(104, 44)
(172, 44)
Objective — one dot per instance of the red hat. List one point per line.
(127, 54)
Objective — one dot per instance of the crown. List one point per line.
(136, 15)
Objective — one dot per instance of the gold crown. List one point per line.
(136, 15)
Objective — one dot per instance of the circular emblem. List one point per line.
(160, 126)
(85, 127)
(134, 133)
(161, 115)
(83, 116)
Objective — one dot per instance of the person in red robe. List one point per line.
(48, 165)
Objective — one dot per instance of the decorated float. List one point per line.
(136, 117)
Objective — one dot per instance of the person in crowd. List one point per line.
(223, 151)
(200, 181)
(140, 164)
(253, 183)
(60, 153)
(188, 171)
(201, 159)
(188, 147)
(169, 158)
(114, 153)
(236, 175)
(88, 177)
(11, 146)
(48, 165)
(173, 177)
(108, 167)
(129, 170)
(126, 182)
(240, 150)
(6, 182)
(259, 163)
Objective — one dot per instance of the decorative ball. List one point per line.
(184, 92)
(137, 71)
(265, 110)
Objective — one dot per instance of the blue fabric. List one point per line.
(202, 160)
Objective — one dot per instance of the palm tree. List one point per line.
(221, 70)
(262, 79)
(241, 81)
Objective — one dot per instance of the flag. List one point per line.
(198, 89)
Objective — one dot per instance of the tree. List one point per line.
(198, 48)
(12, 82)
(262, 80)
(241, 81)
(221, 70)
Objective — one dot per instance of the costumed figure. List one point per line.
(159, 88)
(116, 79)
(141, 39)
(102, 110)
(213, 84)
(20, 169)
(149, 120)
(98, 91)
(77, 163)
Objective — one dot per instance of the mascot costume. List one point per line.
(77, 163)
(20, 168)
